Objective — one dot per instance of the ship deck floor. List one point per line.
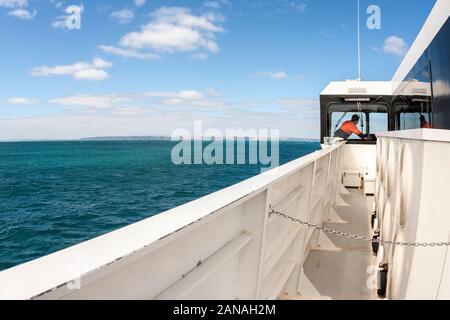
(341, 268)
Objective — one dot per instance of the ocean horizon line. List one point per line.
(153, 138)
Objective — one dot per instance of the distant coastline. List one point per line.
(165, 138)
(128, 138)
(138, 138)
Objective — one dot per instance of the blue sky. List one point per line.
(149, 67)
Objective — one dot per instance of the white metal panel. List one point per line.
(358, 88)
(416, 189)
(196, 279)
(360, 158)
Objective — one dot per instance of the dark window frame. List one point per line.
(367, 113)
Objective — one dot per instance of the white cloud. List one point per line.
(13, 3)
(277, 75)
(91, 75)
(22, 14)
(186, 94)
(139, 3)
(185, 98)
(128, 53)
(396, 46)
(84, 100)
(171, 29)
(18, 9)
(175, 29)
(101, 64)
(123, 16)
(188, 98)
(21, 101)
(80, 71)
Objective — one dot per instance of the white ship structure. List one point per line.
(378, 212)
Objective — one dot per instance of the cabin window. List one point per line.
(378, 122)
(409, 121)
(338, 118)
(408, 116)
(373, 119)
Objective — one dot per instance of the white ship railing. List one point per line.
(222, 246)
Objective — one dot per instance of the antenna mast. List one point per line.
(359, 44)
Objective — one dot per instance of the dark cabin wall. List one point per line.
(436, 59)
(439, 54)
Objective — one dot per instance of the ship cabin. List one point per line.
(371, 101)
(378, 108)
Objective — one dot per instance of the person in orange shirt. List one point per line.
(348, 128)
(423, 123)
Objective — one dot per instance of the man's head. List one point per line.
(355, 118)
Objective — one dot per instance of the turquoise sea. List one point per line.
(57, 194)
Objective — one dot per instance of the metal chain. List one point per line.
(358, 237)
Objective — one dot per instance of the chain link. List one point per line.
(358, 237)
